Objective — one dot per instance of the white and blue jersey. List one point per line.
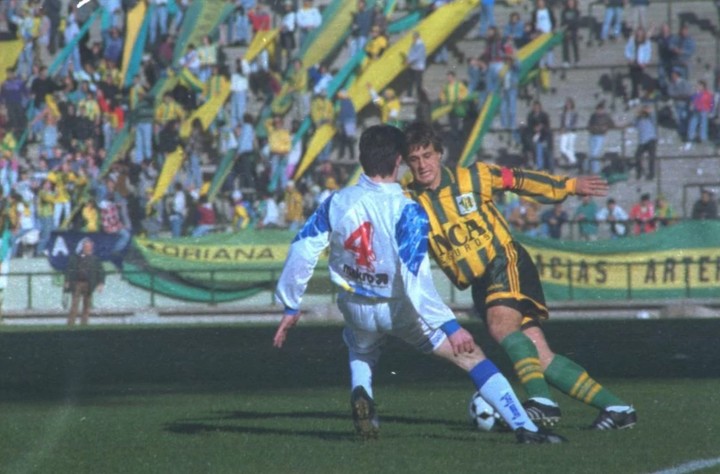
(378, 253)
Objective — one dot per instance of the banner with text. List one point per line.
(681, 261)
(675, 262)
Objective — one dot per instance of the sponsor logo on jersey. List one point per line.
(459, 238)
(379, 279)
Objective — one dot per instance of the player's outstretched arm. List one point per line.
(462, 342)
(591, 186)
(288, 321)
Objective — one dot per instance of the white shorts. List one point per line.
(368, 322)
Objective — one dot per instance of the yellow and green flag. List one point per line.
(173, 162)
(528, 57)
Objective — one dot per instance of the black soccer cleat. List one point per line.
(614, 420)
(365, 419)
(538, 437)
(541, 414)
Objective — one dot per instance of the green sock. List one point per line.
(524, 356)
(573, 380)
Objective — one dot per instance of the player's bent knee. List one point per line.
(466, 360)
(503, 321)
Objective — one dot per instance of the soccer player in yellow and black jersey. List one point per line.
(472, 243)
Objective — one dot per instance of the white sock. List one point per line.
(361, 374)
(498, 393)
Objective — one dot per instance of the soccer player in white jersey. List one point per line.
(378, 258)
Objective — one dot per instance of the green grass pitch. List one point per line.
(220, 399)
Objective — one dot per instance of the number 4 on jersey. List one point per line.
(360, 243)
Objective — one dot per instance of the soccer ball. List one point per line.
(482, 415)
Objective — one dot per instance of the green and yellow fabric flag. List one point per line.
(528, 57)
(173, 162)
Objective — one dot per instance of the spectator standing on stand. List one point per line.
(487, 17)
(638, 53)
(238, 98)
(639, 13)
(570, 20)
(361, 24)
(539, 137)
(287, 35)
(178, 210)
(612, 23)
(599, 124)
(701, 105)
(307, 19)
(84, 276)
(663, 39)
(508, 99)
(346, 125)
(682, 49)
(454, 94)
(293, 207)
(514, 30)
(416, 61)
(680, 91)
(647, 142)
(568, 124)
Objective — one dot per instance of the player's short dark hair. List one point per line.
(421, 134)
(380, 146)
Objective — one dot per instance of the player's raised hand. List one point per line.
(591, 186)
(462, 342)
(288, 321)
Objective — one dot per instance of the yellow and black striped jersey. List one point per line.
(467, 230)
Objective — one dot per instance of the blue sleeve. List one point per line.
(318, 223)
(411, 235)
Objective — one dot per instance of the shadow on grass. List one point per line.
(195, 428)
(329, 415)
(232, 422)
(223, 423)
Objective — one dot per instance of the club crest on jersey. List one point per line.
(466, 203)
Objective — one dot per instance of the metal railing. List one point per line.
(35, 287)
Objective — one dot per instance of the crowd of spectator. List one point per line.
(71, 114)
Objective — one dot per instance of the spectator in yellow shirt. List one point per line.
(213, 84)
(293, 207)
(454, 94)
(377, 44)
(279, 144)
(168, 110)
(389, 105)
(89, 108)
(322, 112)
(65, 181)
(298, 80)
(241, 216)
(91, 217)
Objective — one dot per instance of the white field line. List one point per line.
(691, 466)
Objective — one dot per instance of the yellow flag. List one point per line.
(134, 22)
(173, 161)
(10, 53)
(260, 41)
(208, 111)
